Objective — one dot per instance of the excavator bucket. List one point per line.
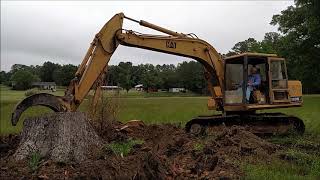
(53, 102)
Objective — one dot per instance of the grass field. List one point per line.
(165, 107)
(150, 107)
(155, 108)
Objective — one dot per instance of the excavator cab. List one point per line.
(274, 90)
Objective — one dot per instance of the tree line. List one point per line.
(299, 43)
(189, 75)
(21, 77)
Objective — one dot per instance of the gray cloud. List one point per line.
(32, 32)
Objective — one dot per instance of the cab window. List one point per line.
(278, 74)
(234, 81)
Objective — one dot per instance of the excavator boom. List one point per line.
(95, 63)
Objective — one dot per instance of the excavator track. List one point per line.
(264, 124)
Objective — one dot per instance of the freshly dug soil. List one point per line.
(167, 152)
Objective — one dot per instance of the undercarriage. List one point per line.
(262, 124)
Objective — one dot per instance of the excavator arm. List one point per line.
(95, 63)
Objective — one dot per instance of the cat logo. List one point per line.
(171, 44)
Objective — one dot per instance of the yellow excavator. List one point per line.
(227, 80)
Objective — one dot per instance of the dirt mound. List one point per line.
(59, 136)
(165, 152)
(187, 156)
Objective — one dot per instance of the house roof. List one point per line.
(138, 86)
(44, 84)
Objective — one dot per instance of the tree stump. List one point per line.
(62, 137)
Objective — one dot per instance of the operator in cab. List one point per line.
(254, 81)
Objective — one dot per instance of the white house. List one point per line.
(139, 87)
(45, 85)
(111, 88)
(177, 90)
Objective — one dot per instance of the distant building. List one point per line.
(177, 90)
(151, 89)
(45, 85)
(139, 87)
(111, 87)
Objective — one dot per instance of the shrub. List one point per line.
(123, 148)
(34, 161)
(198, 147)
(106, 111)
(31, 92)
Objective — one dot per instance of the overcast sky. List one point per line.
(34, 32)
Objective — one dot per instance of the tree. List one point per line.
(4, 77)
(125, 75)
(269, 44)
(300, 44)
(168, 75)
(36, 70)
(137, 74)
(22, 79)
(46, 71)
(64, 74)
(150, 77)
(112, 75)
(245, 46)
(191, 76)
(17, 67)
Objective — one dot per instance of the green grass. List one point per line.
(162, 109)
(8, 100)
(293, 164)
(154, 108)
(149, 107)
(34, 161)
(299, 160)
(309, 113)
(134, 94)
(275, 170)
(123, 148)
(198, 146)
